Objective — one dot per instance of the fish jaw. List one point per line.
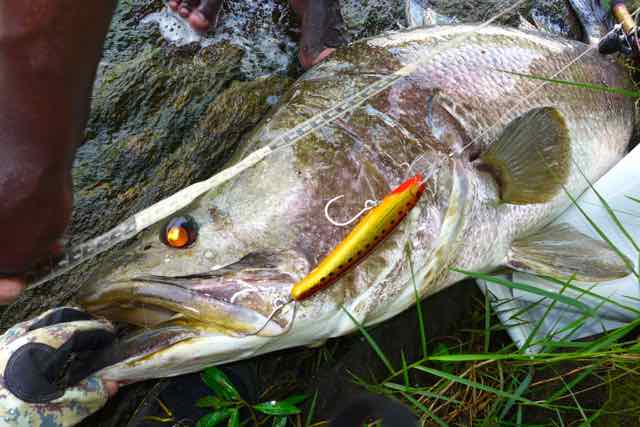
(236, 300)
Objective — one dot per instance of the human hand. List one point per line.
(10, 289)
(40, 383)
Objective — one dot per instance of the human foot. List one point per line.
(320, 30)
(200, 14)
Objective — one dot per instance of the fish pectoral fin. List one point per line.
(531, 159)
(563, 252)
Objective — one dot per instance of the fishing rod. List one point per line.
(624, 37)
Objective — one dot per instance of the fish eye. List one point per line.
(180, 232)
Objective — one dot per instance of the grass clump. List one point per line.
(482, 379)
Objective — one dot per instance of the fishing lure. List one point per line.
(372, 230)
(376, 225)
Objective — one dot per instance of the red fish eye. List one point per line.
(180, 232)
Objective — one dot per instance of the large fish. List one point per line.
(499, 153)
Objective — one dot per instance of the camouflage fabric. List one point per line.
(77, 402)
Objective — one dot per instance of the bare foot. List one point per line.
(320, 30)
(200, 14)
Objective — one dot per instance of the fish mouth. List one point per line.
(236, 300)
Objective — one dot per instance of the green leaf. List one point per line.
(279, 422)
(210, 402)
(296, 398)
(277, 408)
(213, 419)
(234, 419)
(219, 383)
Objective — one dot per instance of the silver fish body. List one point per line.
(263, 231)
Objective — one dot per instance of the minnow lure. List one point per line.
(376, 225)
(374, 228)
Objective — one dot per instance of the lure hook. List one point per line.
(273, 314)
(368, 205)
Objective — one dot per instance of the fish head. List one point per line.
(225, 295)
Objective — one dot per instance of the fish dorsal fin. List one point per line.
(561, 251)
(531, 159)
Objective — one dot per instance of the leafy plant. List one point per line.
(226, 404)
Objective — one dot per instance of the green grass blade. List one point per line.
(574, 382)
(478, 386)
(589, 86)
(635, 199)
(611, 213)
(487, 322)
(522, 387)
(610, 339)
(421, 392)
(601, 233)
(312, 410)
(371, 342)
(528, 288)
(426, 410)
(423, 335)
(405, 369)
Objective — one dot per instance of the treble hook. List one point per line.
(368, 205)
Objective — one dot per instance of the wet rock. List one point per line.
(474, 11)
(264, 30)
(366, 18)
(556, 17)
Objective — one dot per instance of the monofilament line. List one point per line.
(149, 216)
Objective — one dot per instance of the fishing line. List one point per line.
(535, 90)
(129, 228)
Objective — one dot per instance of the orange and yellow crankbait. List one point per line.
(376, 225)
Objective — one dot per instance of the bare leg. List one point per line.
(320, 19)
(49, 51)
(320, 36)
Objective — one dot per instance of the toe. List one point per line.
(184, 11)
(308, 59)
(198, 21)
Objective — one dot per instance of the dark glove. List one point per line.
(44, 363)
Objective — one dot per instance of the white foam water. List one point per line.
(260, 27)
(173, 28)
